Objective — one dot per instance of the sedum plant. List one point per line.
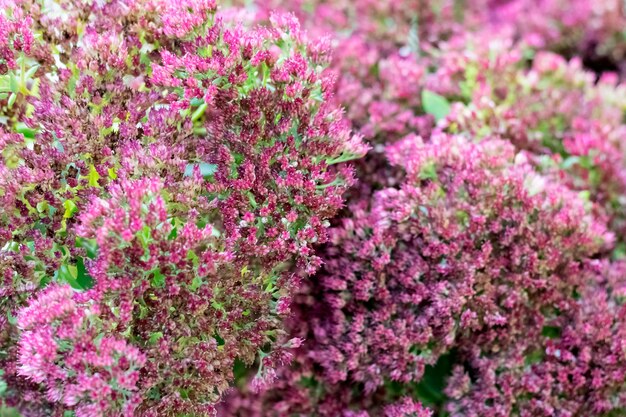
(473, 253)
(164, 175)
(468, 99)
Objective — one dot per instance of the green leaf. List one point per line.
(154, 337)
(90, 246)
(434, 104)
(93, 176)
(83, 279)
(206, 170)
(220, 341)
(585, 195)
(71, 85)
(145, 235)
(196, 101)
(570, 161)
(31, 71)
(199, 112)
(11, 319)
(534, 357)
(12, 99)
(430, 390)
(69, 273)
(70, 208)
(196, 283)
(218, 306)
(428, 171)
(42, 206)
(252, 200)
(619, 252)
(551, 332)
(463, 218)
(14, 84)
(240, 372)
(25, 130)
(158, 279)
(9, 412)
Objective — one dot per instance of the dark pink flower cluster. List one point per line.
(169, 174)
(473, 250)
(494, 184)
(576, 368)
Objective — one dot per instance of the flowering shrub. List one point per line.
(467, 253)
(417, 298)
(170, 174)
(61, 347)
(569, 124)
(173, 170)
(577, 369)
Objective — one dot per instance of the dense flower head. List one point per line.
(179, 291)
(16, 37)
(466, 215)
(570, 125)
(592, 30)
(61, 348)
(175, 170)
(474, 249)
(575, 369)
(169, 174)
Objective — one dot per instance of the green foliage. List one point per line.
(435, 104)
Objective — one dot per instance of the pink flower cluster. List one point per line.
(16, 38)
(575, 369)
(62, 348)
(175, 170)
(567, 123)
(170, 173)
(473, 251)
(476, 269)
